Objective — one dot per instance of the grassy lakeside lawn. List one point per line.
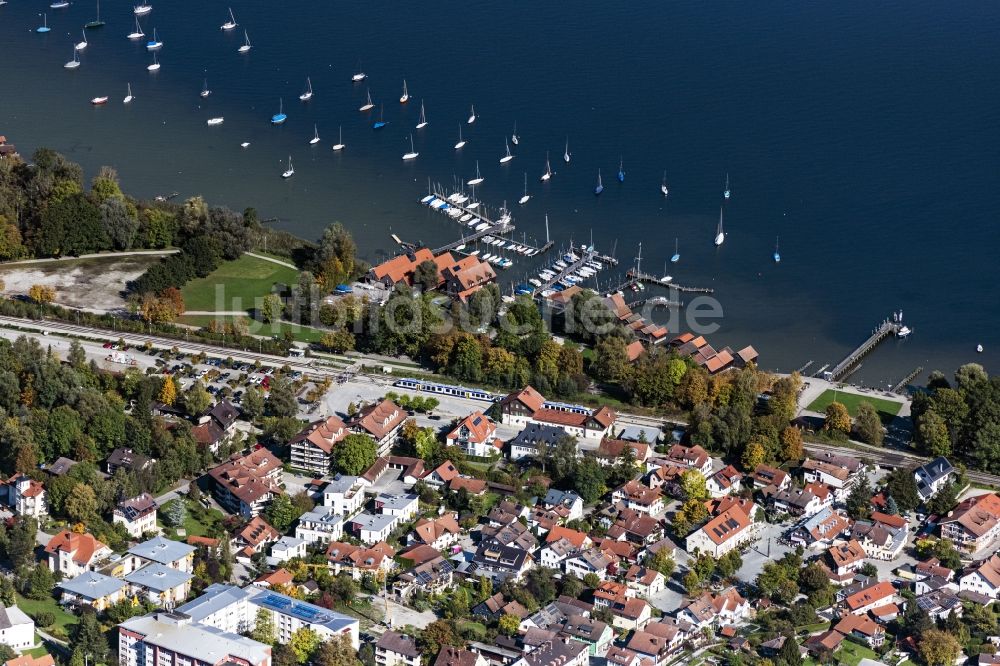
(852, 653)
(300, 333)
(886, 408)
(243, 281)
(64, 619)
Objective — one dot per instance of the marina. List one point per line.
(889, 326)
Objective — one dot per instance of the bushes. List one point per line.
(44, 618)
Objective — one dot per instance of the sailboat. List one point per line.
(600, 185)
(58, 4)
(137, 33)
(205, 92)
(97, 22)
(308, 94)
(513, 136)
(155, 66)
(380, 123)
(720, 235)
(82, 45)
(461, 141)
(412, 155)
(128, 98)
(231, 23)
(44, 27)
(677, 255)
(290, 171)
(74, 63)
(340, 140)
(359, 75)
(508, 157)
(726, 192)
(367, 106)
(663, 186)
(212, 122)
(548, 168)
(667, 278)
(523, 200)
(246, 43)
(405, 97)
(621, 170)
(479, 178)
(142, 9)
(423, 118)
(280, 116)
(472, 115)
(313, 141)
(154, 43)
(777, 256)
(566, 152)
(98, 101)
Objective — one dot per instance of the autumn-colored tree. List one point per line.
(160, 309)
(838, 419)
(753, 455)
(338, 341)
(270, 309)
(174, 297)
(508, 624)
(939, 648)
(42, 293)
(693, 484)
(791, 443)
(168, 392)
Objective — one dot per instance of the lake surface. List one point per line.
(864, 135)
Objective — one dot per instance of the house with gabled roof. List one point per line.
(843, 560)
(883, 536)
(312, 448)
(933, 476)
(528, 406)
(639, 497)
(25, 496)
(72, 553)
(723, 533)
(724, 482)
(691, 457)
(712, 610)
(596, 634)
(821, 529)
(610, 450)
(215, 425)
(255, 537)
(974, 523)
(381, 421)
(245, 484)
(476, 435)
(644, 582)
(360, 560)
(439, 533)
(137, 514)
(869, 598)
(982, 578)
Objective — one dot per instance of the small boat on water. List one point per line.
(98, 101)
(142, 9)
(340, 140)
(548, 168)
(359, 74)
(422, 123)
(231, 23)
(280, 116)
(600, 185)
(128, 97)
(155, 65)
(523, 200)
(245, 144)
(154, 43)
(290, 171)
(205, 92)
(472, 115)
(313, 141)
(137, 33)
(74, 63)
(212, 122)
(58, 4)
(308, 94)
(663, 185)
(44, 27)
(720, 235)
(508, 157)
(461, 141)
(777, 256)
(979, 349)
(405, 97)
(82, 45)
(677, 255)
(412, 155)
(566, 152)
(246, 43)
(368, 105)
(514, 138)
(380, 123)
(479, 178)
(621, 170)
(726, 192)
(97, 22)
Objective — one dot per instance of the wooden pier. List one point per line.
(884, 330)
(635, 276)
(655, 300)
(569, 270)
(906, 380)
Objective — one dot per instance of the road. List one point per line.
(97, 255)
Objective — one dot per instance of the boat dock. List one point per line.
(884, 330)
(636, 276)
(904, 382)
(566, 272)
(655, 300)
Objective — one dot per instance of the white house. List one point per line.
(933, 476)
(345, 495)
(138, 515)
(565, 498)
(72, 554)
(321, 525)
(371, 528)
(25, 496)
(396, 649)
(729, 530)
(984, 579)
(476, 435)
(285, 549)
(16, 629)
(404, 507)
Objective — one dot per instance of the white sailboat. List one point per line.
(74, 63)
(461, 141)
(508, 157)
(405, 97)
(548, 168)
(128, 97)
(231, 23)
(290, 171)
(566, 152)
(777, 255)
(726, 192)
(523, 200)
(472, 115)
(677, 254)
(58, 4)
(340, 140)
(155, 66)
(663, 185)
(212, 122)
(142, 9)
(137, 33)
(368, 105)
(514, 138)
(205, 92)
(246, 43)
(313, 141)
(82, 45)
(720, 235)
(412, 155)
(359, 74)
(307, 95)
(478, 179)
(423, 117)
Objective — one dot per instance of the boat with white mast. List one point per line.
(548, 169)
(44, 27)
(726, 191)
(412, 155)
(74, 63)
(155, 65)
(154, 43)
(280, 116)
(340, 139)
(380, 123)
(308, 94)
(508, 157)
(82, 45)
(524, 199)
(514, 138)
(359, 74)
(472, 115)
(368, 105)
(566, 152)
(600, 185)
(478, 179)
(405, 97)
(246, 44)
(663, 185)
(231, 23)
(137, 33)
(461, 141)
(205, 92)
(677, 255)
(720, 235)
(422, 123)
(313, 141)
(290, 171)
(777, 255)
(128, 97)
(142, 9)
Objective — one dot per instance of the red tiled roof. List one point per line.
(81, 546)
(480, 427)
(379, 419)
(575, 537)
(258, 531)
(878, 592)
(322, 434)
(472, 486)
(531, 398)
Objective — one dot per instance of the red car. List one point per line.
(107, 345)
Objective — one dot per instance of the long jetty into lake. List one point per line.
(885, 329)
(636, 276)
